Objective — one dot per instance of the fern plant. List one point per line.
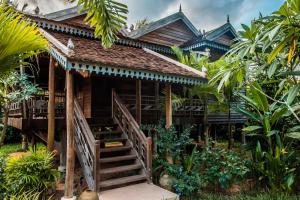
(33, 171)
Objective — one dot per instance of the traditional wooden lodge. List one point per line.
(94, 96)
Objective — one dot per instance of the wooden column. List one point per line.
(70, 136)
(168, 106)
(51, 106)
(138, 102)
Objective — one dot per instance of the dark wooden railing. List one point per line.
(140, 143)
(87, 148)
(188, 107)
(37, 106)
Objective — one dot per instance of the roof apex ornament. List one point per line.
(228, 19)
(70, 44)
(180, 8)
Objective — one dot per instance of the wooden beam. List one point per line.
(138, 102)
(51, 106)
(168, 106)
(70, 137)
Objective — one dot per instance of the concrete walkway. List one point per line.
(143, 191)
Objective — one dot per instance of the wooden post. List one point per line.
(138, 102)
(51, 106)
(70, 137)
(168, 106)
(149, 159)
(157, 103)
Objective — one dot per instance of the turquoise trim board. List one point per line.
(123, 72)
(158, 48)
(207, 43)
(90, 34)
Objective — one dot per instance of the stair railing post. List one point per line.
(149, 158)
(96, 165)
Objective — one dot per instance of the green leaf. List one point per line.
(278, 48)
(294, 135)
(292, 94)
(266, 124)
(251, 129)
(271, 133)
(293, 73)
(274, 32)
(248, 114)
(272, 69)
(278, 114)
(294, 129)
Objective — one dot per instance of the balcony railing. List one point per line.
(37, 106)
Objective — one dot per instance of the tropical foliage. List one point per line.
(32, 171)
(20, 39)
(14, 88)
(265, 64)
(108, 17)
(222, 168)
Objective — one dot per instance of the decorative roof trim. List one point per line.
(44, 24)
(122, 72)
(201, 74)
(214, 34)
(164, 22)
(206, 43)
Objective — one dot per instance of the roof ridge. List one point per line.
(186, 67)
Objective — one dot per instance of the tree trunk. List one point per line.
(205, 125)
(5, 122)
(229, 130)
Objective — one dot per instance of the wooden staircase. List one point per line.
(113, 154)
(119, 165)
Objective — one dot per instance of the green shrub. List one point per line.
(33, 171)
(29, 195)
(221, 167)
(2, 177)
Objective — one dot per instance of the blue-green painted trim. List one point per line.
(123, 72)
(207, 43)
(90, 34)
(62, 60)
(157, 48)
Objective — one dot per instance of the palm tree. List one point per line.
(20, 39)
(108, 17)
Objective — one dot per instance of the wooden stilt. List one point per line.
(138, 104)
(70, 137)
(168, 106)
(51, 106)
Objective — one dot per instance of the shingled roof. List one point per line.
(119, 60)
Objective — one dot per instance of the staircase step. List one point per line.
(107, 132)
(120, 169)
(115, 149)
(122, 181)
(117, 158)
(113, 140)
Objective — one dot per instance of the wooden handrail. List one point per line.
(88, 149)
(141, 144)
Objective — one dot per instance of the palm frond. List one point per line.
(107, 17)
(20, 39)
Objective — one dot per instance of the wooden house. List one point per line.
(94, 96)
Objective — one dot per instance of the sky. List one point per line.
(204, 14)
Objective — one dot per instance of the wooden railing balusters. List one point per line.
(88, 149)
(135, 135)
